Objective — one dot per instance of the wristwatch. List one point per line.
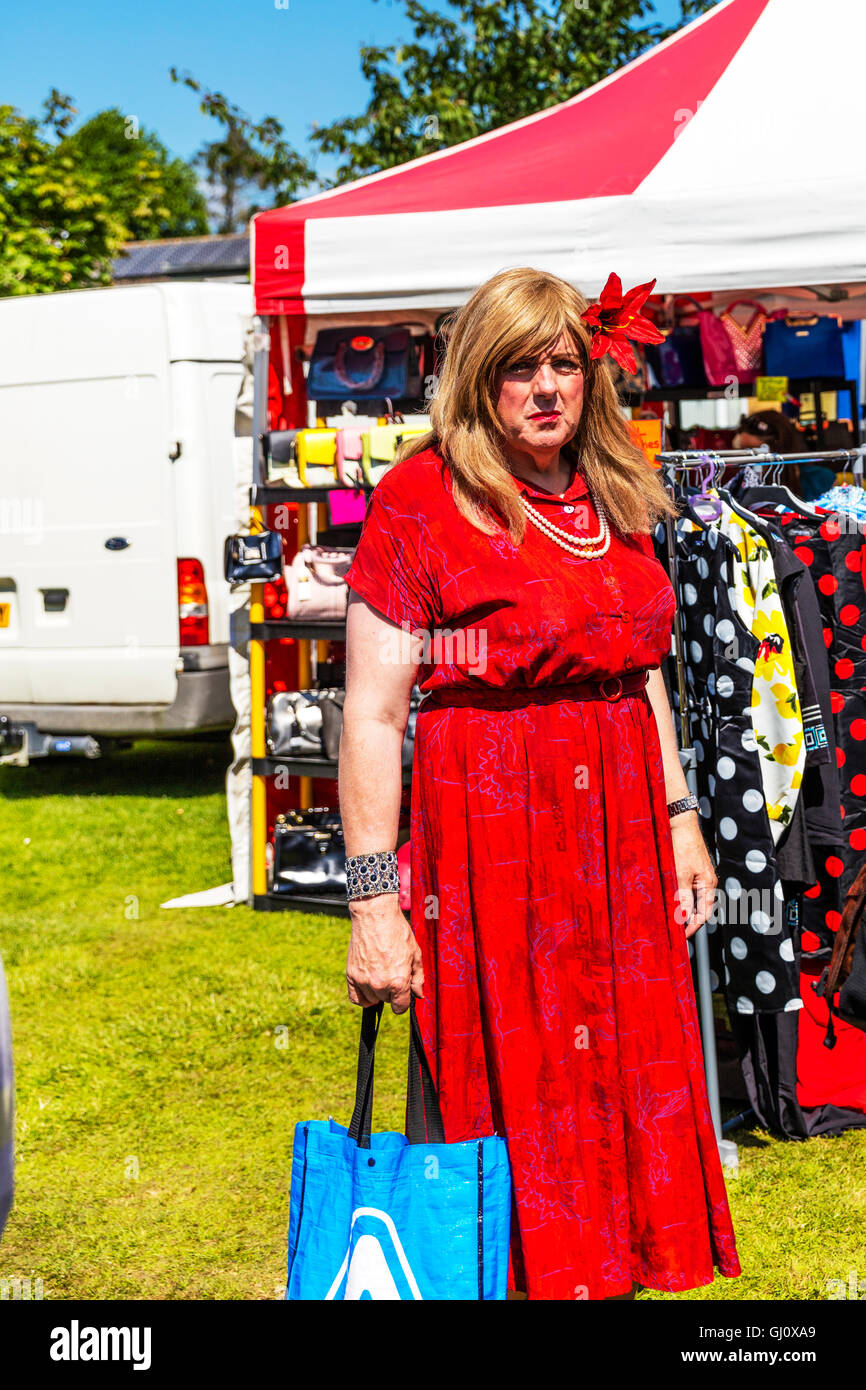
(685, 803)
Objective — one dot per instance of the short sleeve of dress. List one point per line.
(646, 544)
(392, 565)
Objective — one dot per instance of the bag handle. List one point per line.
(699, 307)
(753, 303)
(373, 376)
(424, 1116)
(326, 578)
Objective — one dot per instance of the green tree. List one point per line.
(248, 156)
(59, 228)
(496, 61)
(154, 194)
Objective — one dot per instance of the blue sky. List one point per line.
(299, 63)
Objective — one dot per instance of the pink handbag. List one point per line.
(720, 366)
(349, 456)
(316, 583)
(747, 342)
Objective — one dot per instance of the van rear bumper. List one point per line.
(202, 702)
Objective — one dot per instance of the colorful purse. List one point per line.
(349, 451)
(355, 363)
(316, 583)
(316, 452)
(747, 342)
(258, 556)
(720, 367)
(380, 445)
(803, 348)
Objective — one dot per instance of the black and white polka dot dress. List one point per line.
(752, 930)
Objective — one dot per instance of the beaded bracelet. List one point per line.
(369, 874)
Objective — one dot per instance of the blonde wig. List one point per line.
(515, 314)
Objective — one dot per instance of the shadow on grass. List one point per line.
(151, 768)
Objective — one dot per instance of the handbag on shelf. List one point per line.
(316, 451)
(251, 557)
(293, 724)
(331, 702)
(358, 363)
(331, 675)
(316, 583)
(803, 348)
(280, 457)
(324, 726)
(678, 361)
(381, 444)
(747, 341)
(309, 854)
(394, 1216)
(349, 449)
(720, 366)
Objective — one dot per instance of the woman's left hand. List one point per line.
(696, 876)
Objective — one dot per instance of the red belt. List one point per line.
(611, 688)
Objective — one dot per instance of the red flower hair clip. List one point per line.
(615, 318)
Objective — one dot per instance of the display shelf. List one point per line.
(272, 494)
(281, 902)
(711, 393)
(271, 765)
(275, 628)
(797, 385)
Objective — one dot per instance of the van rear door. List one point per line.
(89, 559)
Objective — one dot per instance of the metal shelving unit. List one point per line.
(265, 765)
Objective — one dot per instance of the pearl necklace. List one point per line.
(585, 547)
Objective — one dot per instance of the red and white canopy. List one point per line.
(729, 157)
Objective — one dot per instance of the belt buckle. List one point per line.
(616, 694)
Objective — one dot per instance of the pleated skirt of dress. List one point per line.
(559, 1008)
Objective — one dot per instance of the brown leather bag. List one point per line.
(846, 972)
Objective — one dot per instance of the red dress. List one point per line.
(558, 1004)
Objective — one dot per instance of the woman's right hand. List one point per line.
(384, 961)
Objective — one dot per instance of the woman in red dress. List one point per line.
(506, 565)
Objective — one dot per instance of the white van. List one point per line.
(116, 495)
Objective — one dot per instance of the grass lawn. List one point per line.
(164, 1056)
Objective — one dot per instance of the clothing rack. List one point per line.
(683, 461)
(688, 458)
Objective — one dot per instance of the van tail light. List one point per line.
(192, 605)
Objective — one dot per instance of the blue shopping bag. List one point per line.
(393, 1216)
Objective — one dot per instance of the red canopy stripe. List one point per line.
(590, 146)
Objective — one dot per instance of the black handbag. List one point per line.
(309, 854)
(257, 556)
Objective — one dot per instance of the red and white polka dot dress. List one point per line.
(834, 557)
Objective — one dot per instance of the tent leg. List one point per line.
(258, 789)
(727, 1147)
